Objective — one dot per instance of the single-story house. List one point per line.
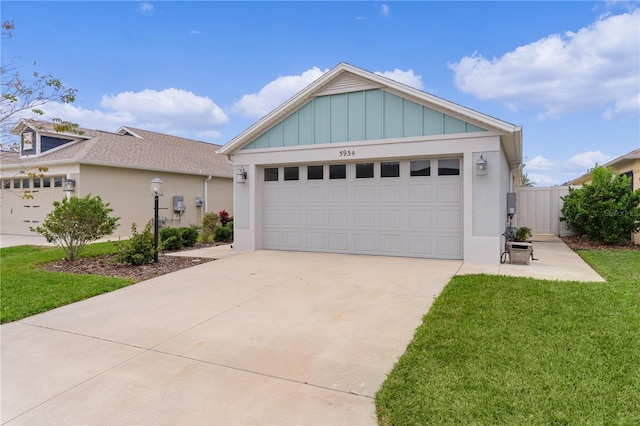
(358, 163)
(119, 167)
(628, 165)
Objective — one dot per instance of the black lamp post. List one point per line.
(156, 191)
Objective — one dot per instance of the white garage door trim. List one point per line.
(410, 216)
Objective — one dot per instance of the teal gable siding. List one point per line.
(357, 116)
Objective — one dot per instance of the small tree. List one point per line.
(139, 249)
(607, 210)
(76, 222)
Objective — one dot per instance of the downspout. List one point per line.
(206, 196)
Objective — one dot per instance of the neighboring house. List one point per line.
(358, 163)
(119, 167)
(628, 165)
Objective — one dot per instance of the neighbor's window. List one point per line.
(449, 167)
(364, 170)
(338, 171)
(291, 173)
(390, 169)
(271, 174)
(315, 172)
(420, 167)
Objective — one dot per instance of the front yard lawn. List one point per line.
(26, 290)
(514, 351)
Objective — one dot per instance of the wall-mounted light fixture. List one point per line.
(241, 176)
(481, 166)
(68, 185)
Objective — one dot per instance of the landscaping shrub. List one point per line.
(607, 210)
(171, 238)
(76, 222)
(139, 249)
(225, 218)
(209, 223)
(189, 236)
(223, 233)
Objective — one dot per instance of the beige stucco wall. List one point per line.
(128, 192)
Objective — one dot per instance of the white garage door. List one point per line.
(19, 212)
(409, 208)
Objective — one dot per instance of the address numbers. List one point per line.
(347, 153)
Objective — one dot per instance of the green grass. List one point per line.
(496, 350)
(26, 290)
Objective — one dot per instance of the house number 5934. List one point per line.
(347, 153)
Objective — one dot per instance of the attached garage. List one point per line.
(360, 164)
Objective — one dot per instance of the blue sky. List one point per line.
(567, 72)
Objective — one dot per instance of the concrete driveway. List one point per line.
(260, 338)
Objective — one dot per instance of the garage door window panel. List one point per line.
(364, 170)
(315, 172)
(57, 182)
(449, 167)
(291, 173)
(420, 168)
(338, 171)
(390, 169)
(271, 174)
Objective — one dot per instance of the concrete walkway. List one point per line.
(260, 338)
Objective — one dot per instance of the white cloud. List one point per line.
(172, 111)
(145, 7)
(384, 10)
(539, 163)
(195, 32)
(404, 77)
(541, 179)
(256, 105)
(588, 159)
(595, 67)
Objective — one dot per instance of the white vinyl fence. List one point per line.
(539, 209)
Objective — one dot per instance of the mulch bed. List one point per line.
(109, 267)
(577, 242)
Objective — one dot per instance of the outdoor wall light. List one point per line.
(241, 176)
(68, 185)
(481, 166)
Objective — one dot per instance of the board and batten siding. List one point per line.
(359, 116)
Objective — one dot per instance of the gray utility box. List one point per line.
(519, 253)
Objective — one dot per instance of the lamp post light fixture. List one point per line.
(481, 166)
(156, 191)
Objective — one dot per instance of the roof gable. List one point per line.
(346, 81)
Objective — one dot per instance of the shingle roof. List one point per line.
(149, 151)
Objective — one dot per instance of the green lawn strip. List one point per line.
(26, 290)
(514, 351)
